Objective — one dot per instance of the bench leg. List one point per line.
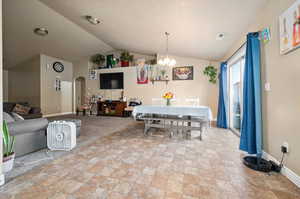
(200, 137)
(189, 132)
(201, 129)
(171, 130)
(146, 128)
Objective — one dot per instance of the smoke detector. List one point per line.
(220, 36)
(41, 31)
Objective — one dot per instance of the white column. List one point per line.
(1, 97)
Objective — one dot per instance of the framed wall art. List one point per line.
(183, 73)
(289, 26)
(142, 74)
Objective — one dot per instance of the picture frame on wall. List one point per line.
(289, 26)
(183, 73)
(92, 74)
(142, 74)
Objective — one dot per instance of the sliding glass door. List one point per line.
(236, 72)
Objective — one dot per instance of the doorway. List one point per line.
(235, 87)
(66, 97)
(80, 92)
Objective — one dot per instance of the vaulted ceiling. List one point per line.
(66, 40)
(135, 25)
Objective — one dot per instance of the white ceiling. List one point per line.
(66, 40)
(135, 25)
(139, 25)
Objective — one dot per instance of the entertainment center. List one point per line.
(109, 81)
(111, 108)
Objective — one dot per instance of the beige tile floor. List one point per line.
(127, 165)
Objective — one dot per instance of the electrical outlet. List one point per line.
(285, 147)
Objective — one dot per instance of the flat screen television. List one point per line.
(111, 80)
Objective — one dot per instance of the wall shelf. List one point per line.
(162, 80)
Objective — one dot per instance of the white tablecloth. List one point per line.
(194, 111)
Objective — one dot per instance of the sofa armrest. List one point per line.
(27, 126)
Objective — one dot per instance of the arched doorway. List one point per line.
(80, 91)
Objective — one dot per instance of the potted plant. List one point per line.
(98, 60)
(212, 73)
(8, 149)
(126, 58)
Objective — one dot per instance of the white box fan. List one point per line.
(61, 135)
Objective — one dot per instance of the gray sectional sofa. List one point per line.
(30, 134)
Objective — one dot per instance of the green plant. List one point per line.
(8, 141)
(212, 73)
(98, 59)
(125, 56)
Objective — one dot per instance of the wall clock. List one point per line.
(58, 67)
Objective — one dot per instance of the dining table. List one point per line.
(175, 118)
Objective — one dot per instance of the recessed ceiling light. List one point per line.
(92, 20)
(220, 36)
(41, 31)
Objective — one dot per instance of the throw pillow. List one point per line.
(17, 117)
(20, 109)
(8, 118)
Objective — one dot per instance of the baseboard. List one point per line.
(2, 179)
(58, 114)
(292, 176)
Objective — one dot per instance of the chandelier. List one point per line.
(166, 61)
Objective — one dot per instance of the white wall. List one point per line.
(34, 81)
(24, 82)
(281, 104)
(51, 100)
(5, 85)
(1, 100)
(199, 87)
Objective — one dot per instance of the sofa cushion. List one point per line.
(8, 106)
(8, 118)
(21, 109)
(16, 116)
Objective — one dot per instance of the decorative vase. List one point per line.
(168, 102)
(8, 163)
